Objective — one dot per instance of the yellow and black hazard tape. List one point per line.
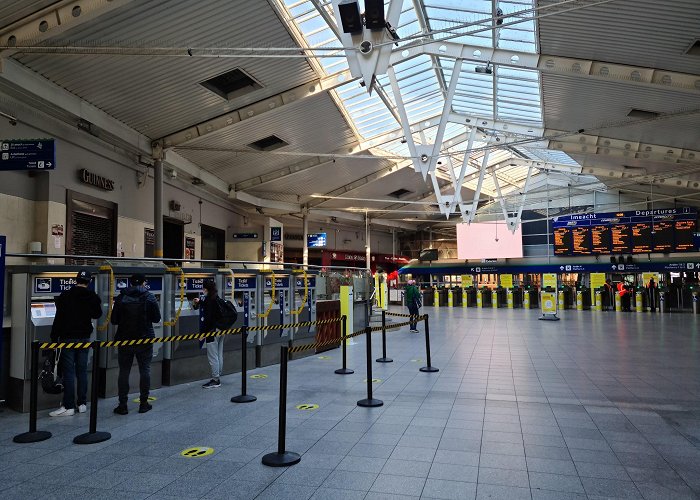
(178, 338)
(325, 343)
(402, 315)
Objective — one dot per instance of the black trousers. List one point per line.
(125, 356)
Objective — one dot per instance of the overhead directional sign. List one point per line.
(34, 154)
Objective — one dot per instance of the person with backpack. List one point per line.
(215, 314)
(135, 310)
(75, 310)
(414, 302)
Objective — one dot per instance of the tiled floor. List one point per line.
(598, 405)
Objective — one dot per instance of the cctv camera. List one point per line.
(366, 47)
(424, 158)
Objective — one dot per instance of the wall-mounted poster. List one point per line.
(189, 248)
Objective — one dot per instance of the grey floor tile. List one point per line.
(400, 485)
(338, 494)
(551, 466)
(412, 468)
(454, 472)
(503, 477)
(370, 450)
(449, 490)
(410, 453)
(278, 491)
(350, 480)
(495, 492)
(304, 476)
(610, 488)
(362, 464)
(457, 457)
(602, 471)
(502, 461)
(146, 482)
(555, 482)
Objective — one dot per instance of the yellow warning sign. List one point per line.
(150, 398)
(197, 452)
(549, 303)
(507, 280)
(258, 376)
(374, 380)
(549, 280)
(467, 280)
(307, 406)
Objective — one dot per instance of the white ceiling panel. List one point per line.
(161, 95)
(648, 33)
(572, 103)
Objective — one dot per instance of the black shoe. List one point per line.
(144, 407)
(121, 410)
(215, 382)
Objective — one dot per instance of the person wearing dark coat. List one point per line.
(208, 316)
(75, 310)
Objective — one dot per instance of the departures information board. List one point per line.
(635, 232)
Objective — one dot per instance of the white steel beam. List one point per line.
(264, 203)
(281, 173)
(357, 217)
(477, 191)
(599, 70)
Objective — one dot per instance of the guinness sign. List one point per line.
(87, 177)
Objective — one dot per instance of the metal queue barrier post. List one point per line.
(92, 436)
(384, 359)
(33, 435)
(429, 368)
(282, 457)
(244, 397)
(345, 370)
(370, 402)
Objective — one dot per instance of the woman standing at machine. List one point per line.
(208, 317)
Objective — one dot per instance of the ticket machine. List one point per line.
(33, 308)
(186, 361)
(274, 308)
(304, 302)
(109, 363)
(240, 288)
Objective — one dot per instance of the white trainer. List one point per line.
(82, 408)
(62, 412)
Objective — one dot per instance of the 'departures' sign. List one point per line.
(33, 154)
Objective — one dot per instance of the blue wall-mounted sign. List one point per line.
(279, 282)
(275, 234)
(36, 154)
(56, 284)
(316, 240)
(153, 283)
(245, 236)
(245, 284)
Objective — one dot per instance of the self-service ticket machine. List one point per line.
(304, 302)
(186, 361)
(274, 308)
(240, 288)
(33, 309)
(109, 362)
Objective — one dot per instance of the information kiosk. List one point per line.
(240, 288)
(273, 309)
(303, 308)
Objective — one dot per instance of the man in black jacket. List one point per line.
(135, 310)
(75, 310)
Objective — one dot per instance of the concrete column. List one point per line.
(305, 251)
(158, 207)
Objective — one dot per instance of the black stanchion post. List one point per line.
(33, 436)
(244, 397)
(430, 368)
(282, 457)
(370, 402)
(384, 359)
(344, 370)
(93, 437)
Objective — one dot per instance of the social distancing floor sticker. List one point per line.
(197, 452)
(307, 406)
(150, 399)
(258, 376)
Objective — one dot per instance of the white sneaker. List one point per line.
(82, 408)
(62, 412)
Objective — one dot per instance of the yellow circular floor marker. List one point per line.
(417, 360)
(197, 452)
(258, 376)
(307, 406)
(150, 398)
(324, 357)
(374, 380)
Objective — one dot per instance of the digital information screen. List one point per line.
(601, 239)
(685, 232)
(637, 232)
(581, 237)
(563, 244)
(663, 236)
(641, 237)
(621, 237)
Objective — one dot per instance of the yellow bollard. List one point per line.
(560, 297)
(464, 297)
(638, 302)
(579, 300)
(598, 300)
(526, 299)
(494, 299)
(436, 298)
(479, 299)
(450, 298)
(618, 302)
(509, 295)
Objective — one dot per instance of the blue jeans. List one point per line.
(413, 311)
(125, 356)
(74, 365)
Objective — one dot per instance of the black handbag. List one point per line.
(51, 380)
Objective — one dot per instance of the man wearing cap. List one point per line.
(135, 310)
(75, 310)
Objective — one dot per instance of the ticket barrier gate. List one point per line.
(564, 297)
(469, 297)
(456, 296)
(428, 297)
(530, 298)
(240, 287)
(516, 295)
(583, 299)
(304, 305)
(33, 309)
(640, 299)
(486, 297)
(186, 361)
(273, 309)
(109, 361)
(442, 294)
(696, 304)
(598, 299)
(499, 298)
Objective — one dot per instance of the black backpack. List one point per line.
(133, 318)
(51, 380)
(227, 314)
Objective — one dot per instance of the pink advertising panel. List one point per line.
(488, 240)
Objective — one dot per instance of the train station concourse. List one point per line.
(362, 249)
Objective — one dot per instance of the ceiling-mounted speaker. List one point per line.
(350, 17)
(374, 15)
